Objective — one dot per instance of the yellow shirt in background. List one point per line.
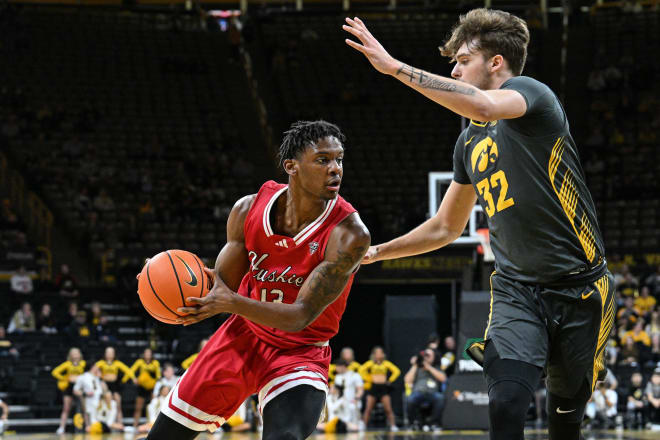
(114, 368)
(66, 369)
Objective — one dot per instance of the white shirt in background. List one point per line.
(164, 381)
(91, 388)
(105, 413)
(349, 381)
(154, 408)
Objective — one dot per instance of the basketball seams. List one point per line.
(183, 300)
(160, 318)
(156, 295)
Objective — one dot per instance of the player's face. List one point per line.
(76, 356)
(320, 167)
(471, 67)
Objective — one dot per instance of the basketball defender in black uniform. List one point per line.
(552, 302)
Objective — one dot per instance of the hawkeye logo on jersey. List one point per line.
(274, 276)
(483, 154)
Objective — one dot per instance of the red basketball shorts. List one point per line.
(235, 364)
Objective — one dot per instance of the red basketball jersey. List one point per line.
(279, 265)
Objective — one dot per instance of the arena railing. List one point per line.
(29, 206)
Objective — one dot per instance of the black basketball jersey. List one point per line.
(529, 181)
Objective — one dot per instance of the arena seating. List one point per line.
(125, 105)
(622, 157)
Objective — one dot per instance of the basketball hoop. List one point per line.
(484, 248)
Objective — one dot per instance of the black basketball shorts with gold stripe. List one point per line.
(563, 330)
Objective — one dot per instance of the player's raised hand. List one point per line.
(218, 300)
(370, 47)
(371, 256)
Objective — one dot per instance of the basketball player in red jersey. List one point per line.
(285, 274)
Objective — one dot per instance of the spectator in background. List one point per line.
(629, 286)
(168, 380)
(6, 346)
(601, 408)
(638, 334)
(351, 387)
(66, 374)
(21, 283)
(105, 418)
(96, 313)
(653, 281)
(103, 202)
(628, 313)
(69, 316)
(375, 373)
(348, 356)
(154, 406)
(147, 371)
(66, 283)
(611, 351)
(447, 362)
(110, 368)
(653, 327)
(433, 342)
(426, 382)
(645, 303)
(78, 330)
(635, 403)
(89, 388)
(46, 321)
(339, 413)
(629, 354)
(23, 320)
(652, 393)
(103, 332)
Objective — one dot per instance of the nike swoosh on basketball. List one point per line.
(193, 278)
(560, 411)
(587, 295)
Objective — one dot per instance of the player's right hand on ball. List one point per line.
(371, 256)
(218, 300)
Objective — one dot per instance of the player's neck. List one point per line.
(297, 209)
(499, 79)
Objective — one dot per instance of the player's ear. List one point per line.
(496, 63)
(290, 166)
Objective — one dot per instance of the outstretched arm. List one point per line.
(438, 231)
(347, 245)
(457, 96)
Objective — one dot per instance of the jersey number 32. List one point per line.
(496, 180)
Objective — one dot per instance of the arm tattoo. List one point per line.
(429, 81)
(329, 279)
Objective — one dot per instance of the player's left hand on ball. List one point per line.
(370, 47)
(218, 300)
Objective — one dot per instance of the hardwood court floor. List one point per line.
(402, 435)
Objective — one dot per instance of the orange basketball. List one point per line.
(167, 280)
